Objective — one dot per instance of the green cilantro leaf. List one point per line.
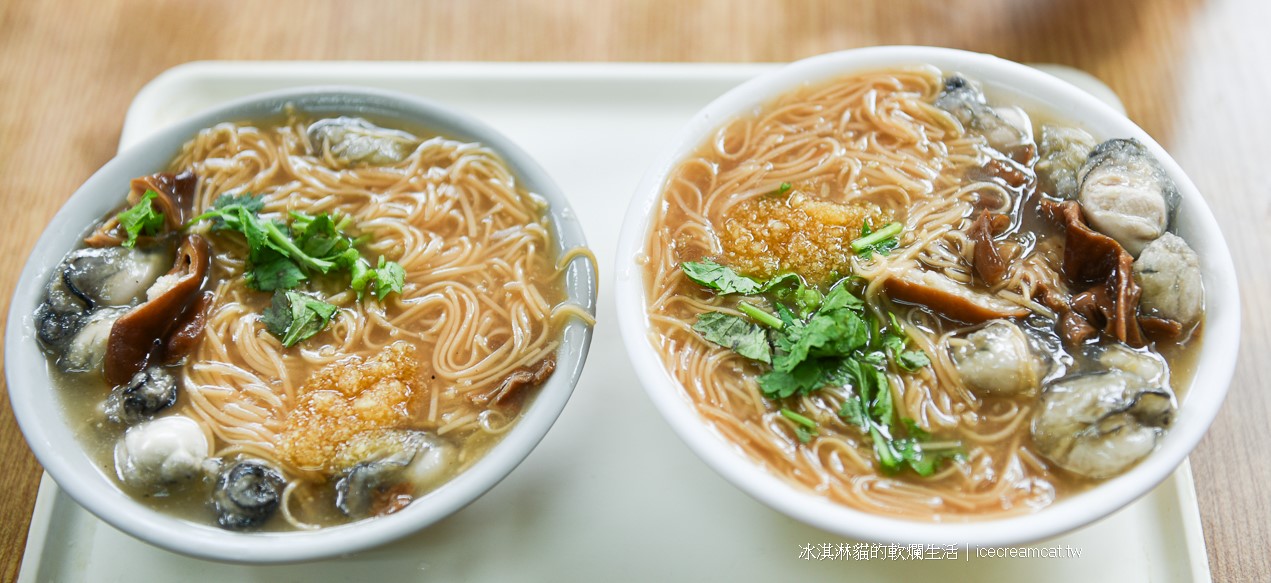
(734, 332)
(923, 458)
(888, 459)
(852, 413)
(814, 341)
(827, 333)
(141, 219)
(278, 273)
(912, 360)
(253, 203)
(909, 452)
(841, 297)
(892, 343)
(360, 272)
(783, 284)
(859, 376)
(282, 255)
(724, 280)
(262, 235)
(804, 378)
(872, 393)
(293, 316)
(882, 408)
(277, 317)
(914, 431)
(225, 210)
(875, 358)
(808, 376)
(317, 235)
(279, 240)
(720, 278)
(390, 277)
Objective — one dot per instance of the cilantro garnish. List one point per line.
(720, 278)
(280, 256)
(757, 314)
(739, 334)
(882, 241)
(268, 242)
(812, 341)
(141, 219)
(804, 428)
(920, 453)
(724, 280)
(275, 273)
(293, 316)
(252, 204)
(912, 360)
(390, 276)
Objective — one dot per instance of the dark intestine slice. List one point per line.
(1110, 298)
(185, 335)
(510, 391)
(173, 303)
(952, 299)
(175, 195)
(988, 262)
(1072, 327)
(1089, 256)
(1114, 304)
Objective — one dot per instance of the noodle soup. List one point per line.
(918, 301)
(335, 318)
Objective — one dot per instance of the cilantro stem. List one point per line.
(883, 451)
(797, 418)
(887, 232)
(760, 316)
(938, 445)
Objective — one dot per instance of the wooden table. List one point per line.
(1195, 74)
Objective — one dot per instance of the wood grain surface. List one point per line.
(1196, 74)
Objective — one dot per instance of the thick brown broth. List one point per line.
(872, 139)
(478, 306)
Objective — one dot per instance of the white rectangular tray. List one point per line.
(610, 493)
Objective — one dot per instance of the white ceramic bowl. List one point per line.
(40, 415)
(1026, 87)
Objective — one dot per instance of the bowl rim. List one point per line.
(1201, 402)
(44, 424)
